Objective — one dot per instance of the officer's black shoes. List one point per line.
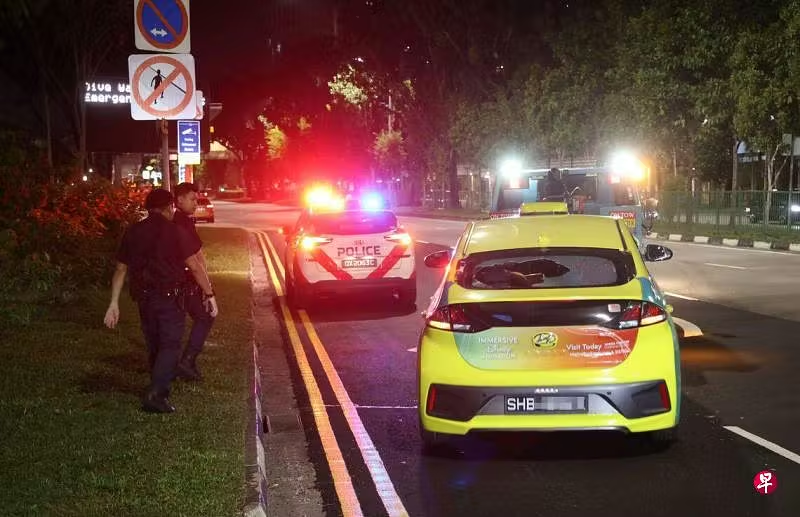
(188, 371)
(153, 402)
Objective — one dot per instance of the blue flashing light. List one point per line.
(372, 201)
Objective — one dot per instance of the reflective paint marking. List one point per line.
(774, 447)
(689, 328)
(342, 482)
(682, 297)
(723, 265)
(383, 484)
(386, 491)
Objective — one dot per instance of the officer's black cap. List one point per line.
(158, 199)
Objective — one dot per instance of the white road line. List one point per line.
(373, 407)
(423, 242)
(723, 265)
(386, 407)
(682, 297)
(774, 447)
(689, 328)
(412, 350)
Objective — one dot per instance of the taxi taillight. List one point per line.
(455, 318)
(309, 242)
(638, 314)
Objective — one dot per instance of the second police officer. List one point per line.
(202, 321)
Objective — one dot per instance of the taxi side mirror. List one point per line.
(286, 230)
(657, 253)
(438, 259)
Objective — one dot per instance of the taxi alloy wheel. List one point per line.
(660, 440)
(433, 444)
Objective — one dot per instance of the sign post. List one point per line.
(166, 177)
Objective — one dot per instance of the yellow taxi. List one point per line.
(546, 322)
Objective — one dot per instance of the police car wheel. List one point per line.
(407, 297)
(297, 298)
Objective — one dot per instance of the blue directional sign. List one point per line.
(162, 25)
(189, 141)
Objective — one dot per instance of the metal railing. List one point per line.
(729, 211)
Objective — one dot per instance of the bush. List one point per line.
(55, 239)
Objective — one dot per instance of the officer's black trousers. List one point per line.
(163, 323)
(202, 322)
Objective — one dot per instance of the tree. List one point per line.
(765, 109)
(68, 43)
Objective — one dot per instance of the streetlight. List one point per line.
(627, 165)
(511, 167)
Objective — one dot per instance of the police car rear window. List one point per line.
(354, 223)
(535, 268)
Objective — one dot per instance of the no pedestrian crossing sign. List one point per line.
(162, 86)
(162, 26)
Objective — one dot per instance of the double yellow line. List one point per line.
(341, 477)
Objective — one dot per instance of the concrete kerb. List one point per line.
(733, 243)
(255, 461)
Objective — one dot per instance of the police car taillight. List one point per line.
(400, 237)
(455, 319)
(309, 242)
(639, 314)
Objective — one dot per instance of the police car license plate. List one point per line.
(528, 404)
(360, 262)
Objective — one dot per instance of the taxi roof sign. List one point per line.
(543, 208)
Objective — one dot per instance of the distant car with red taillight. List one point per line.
(204, 210)
(339, 246)
(547, 322)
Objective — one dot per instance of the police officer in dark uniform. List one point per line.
(155, 250)
(202, 321)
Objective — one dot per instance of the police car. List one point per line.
(339, 246)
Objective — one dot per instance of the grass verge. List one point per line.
(74, 439)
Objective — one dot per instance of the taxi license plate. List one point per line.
(534, 404)
(356, 263)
